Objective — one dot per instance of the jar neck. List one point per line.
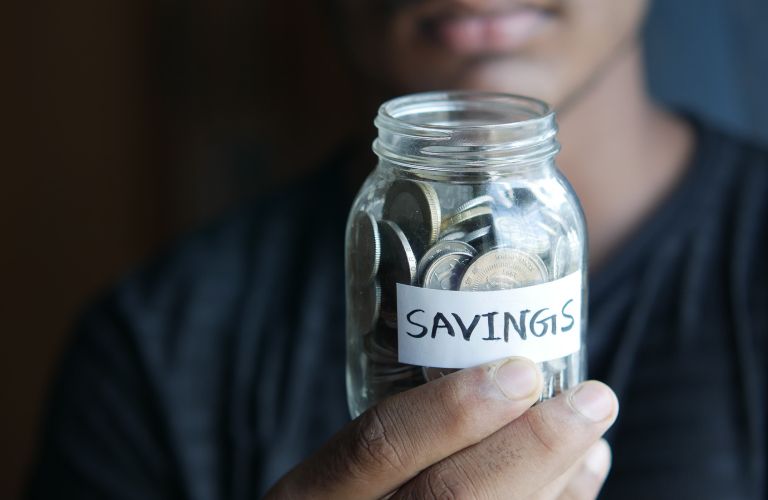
(466, 133)
(524, 172)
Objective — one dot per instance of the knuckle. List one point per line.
(374, 448)
(543, 431)
(446, 482)
(459, 407)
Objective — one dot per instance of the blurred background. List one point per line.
(128, 123)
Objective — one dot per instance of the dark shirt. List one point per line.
(211, 372)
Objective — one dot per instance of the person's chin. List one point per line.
(535, 75)
(508, 75)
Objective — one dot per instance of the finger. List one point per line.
(526, 454)
(391, 442)
(592, 472)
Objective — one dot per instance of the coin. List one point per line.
(366, 254)
(551, 218)
(446, 271)
(556, 365)
(546, 220)
(398, 265)
(543, 226)
(368, 302)
(415, 208)
(559, 382)
(453, 235)
(565, 256)
(468, 220)
(438, 249)
(573, 371)
(548, 391)
(503, 268)
(513, 232)
(475, 202)
(561, 256)
(477, 236)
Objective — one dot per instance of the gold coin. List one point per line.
(398, 265)
(415, 208)
(468, 220)
(365, 249)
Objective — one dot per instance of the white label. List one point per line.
(454, 329)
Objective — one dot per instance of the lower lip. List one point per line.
(476, 34)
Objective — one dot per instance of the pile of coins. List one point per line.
(493, 241)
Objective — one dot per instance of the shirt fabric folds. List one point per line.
(212, 371)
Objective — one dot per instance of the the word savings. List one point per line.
(456, 329)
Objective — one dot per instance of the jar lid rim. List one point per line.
(395, 113)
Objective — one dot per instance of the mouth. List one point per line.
(477, 33)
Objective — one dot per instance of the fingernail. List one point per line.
(517, 378)
(598, 459)
(594, 400)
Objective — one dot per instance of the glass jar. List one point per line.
(464, 245)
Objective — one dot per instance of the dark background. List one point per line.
(127, 123)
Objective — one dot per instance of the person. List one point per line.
(218, 370)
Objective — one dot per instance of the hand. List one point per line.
(471, 434)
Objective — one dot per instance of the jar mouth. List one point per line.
(446, 129)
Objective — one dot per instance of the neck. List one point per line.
(621, 153)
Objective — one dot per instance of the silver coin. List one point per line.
(439, 249)
(453, 235)
(546, 228)
(502, 269)
(476, 236)
(559, 382)
(561, 256)
(468, 220)
(548, 391)
(398, 265)
(431, 373)
(546, 221)
(514, 232)
(556, 365)
(573, 371)
(553, 219)
(475, 202)
(366, 249)
(446, 271)
(415, 208)
(368, 302)
(566, 257)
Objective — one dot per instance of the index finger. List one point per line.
(396, 439)
(525, 455)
